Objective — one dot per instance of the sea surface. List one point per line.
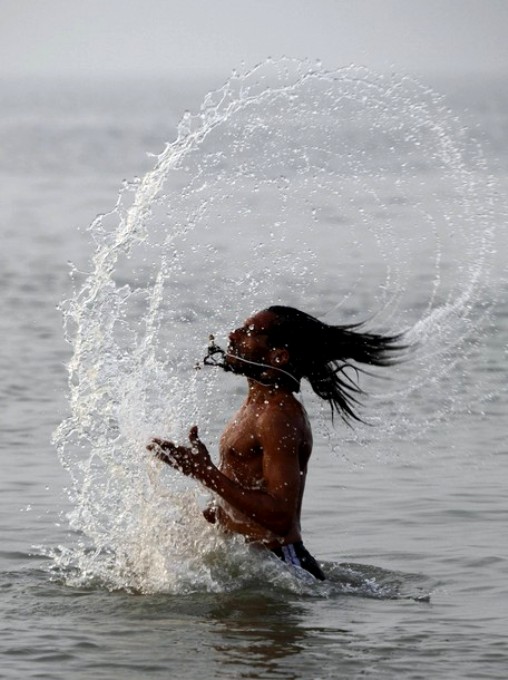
(106, 568)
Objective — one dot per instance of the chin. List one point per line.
(232, 363)
(232, 355)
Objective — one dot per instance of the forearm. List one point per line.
(257, 504)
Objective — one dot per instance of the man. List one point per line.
(265, 449)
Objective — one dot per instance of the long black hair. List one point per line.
(322, 354)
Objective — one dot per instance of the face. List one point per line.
(250, 342)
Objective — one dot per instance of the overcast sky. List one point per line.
(100, 38)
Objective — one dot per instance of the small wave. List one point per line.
(370, 581)
(229, 565)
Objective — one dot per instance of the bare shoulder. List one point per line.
(285, 414)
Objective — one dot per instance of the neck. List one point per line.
(261, 389)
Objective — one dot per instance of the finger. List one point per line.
(154, 448)
(162, 457)
(195, 441)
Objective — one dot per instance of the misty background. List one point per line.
(153, 38)
(152, 59)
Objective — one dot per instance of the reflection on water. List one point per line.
(260, 635)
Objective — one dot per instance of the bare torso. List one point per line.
(266, 446)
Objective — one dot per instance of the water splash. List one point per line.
(348, 194)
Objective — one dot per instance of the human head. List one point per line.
(250, 352)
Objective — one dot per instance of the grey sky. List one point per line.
(99, 38)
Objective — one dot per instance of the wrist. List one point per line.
(212, 477)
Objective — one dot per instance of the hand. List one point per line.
(192, 461)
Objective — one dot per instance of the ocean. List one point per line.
(354, 196)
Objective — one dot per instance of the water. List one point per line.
(131, 581)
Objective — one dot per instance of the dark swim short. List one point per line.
(296, 554)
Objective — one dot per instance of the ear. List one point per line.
(279, 356)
